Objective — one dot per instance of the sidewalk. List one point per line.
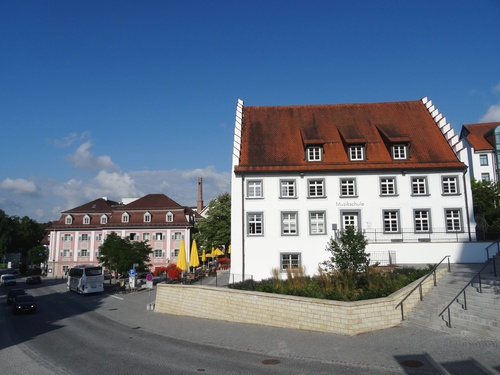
(404, 350)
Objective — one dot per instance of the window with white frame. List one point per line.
(317, 224)
(391, 221)
(254, 189)
(316, 188)
(104, 219)
(177, 236)
(67, 237)
(133, 236)
(450, 185)
(158, 253)
(84, 237)
(158, 236)
(65, 269)
(314, 153)
(483, 159)
(66, 253)
(98, 237)
(453, 220)
(419, 186)
(399, 152)
(255, 223)
(287, 188)
(145, 236)
(422, 220)
(125, 217)
(170, 217)
(147, 217)
(347, 187)
(84, 253)
(485, 177)
(69, 219)
(289, 261)
(289, 223)
(387, 186)
(86, 219)
(356, 153)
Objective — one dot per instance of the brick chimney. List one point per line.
(199, 205)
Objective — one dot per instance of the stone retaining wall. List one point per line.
(348, 318)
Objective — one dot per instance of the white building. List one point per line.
(396, 171)
(482, 142)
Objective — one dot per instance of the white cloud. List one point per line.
(20, 186)
(492, 114)
(83, 158)
(496, 88)
(69, 140)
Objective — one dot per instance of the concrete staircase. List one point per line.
(482, 317)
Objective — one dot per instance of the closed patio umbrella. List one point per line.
(218, 252)
(203, 256)
(181, 258)
(194, 260)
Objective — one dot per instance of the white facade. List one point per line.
(416, 214)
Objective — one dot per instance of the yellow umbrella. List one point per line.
(218, 252)
(181, 258)
(229, 249)
(203, 256)
(194, 260)
(212, 254)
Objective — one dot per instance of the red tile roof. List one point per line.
(480, 136)
(275, 138)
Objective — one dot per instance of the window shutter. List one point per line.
(173, 236)
(163, 254)
(62, 253)
(79, 253)
(70, 253)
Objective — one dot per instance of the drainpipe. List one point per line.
(243, 227)
(466, 203)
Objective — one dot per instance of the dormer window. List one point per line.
(357, 153)
(314, 153)
(399, 152)
(69, 220)
(147, 217)
(170, 217)
(104, 219)
(125, 217)
(86, 219)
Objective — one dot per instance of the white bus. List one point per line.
(85, 279)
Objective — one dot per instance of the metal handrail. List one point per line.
(455, 299)
(419, 285)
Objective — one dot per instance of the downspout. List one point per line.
(466, 203)
(243, 227)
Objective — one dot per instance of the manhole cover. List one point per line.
(412, 363)
(270, 362)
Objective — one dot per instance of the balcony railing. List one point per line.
(410, 235)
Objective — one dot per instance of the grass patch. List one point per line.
(339, 286)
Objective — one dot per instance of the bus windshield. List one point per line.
(93, 271)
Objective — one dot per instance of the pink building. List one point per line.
(76, 237)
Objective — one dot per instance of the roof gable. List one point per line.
(480, 136)
(275, 138)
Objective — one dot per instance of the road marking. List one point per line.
(116, 297)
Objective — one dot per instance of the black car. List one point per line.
(35, 279)
(13, 293)
(24, 303)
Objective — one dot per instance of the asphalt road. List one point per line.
(116, 334)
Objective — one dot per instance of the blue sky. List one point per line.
(126, 98)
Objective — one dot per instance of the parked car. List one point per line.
(13, 293)
(24, 303)
(34, 279)
(8, 279)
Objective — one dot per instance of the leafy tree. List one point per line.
(120, 254)
(348, 253)
(37, 255)
(215, 229)
(486, 202)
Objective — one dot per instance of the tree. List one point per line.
(37, 255)
(348, 253)
(121, 254)
(486, 198)
(215, 229)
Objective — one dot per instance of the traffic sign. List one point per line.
(149, 277)
(131, 272)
